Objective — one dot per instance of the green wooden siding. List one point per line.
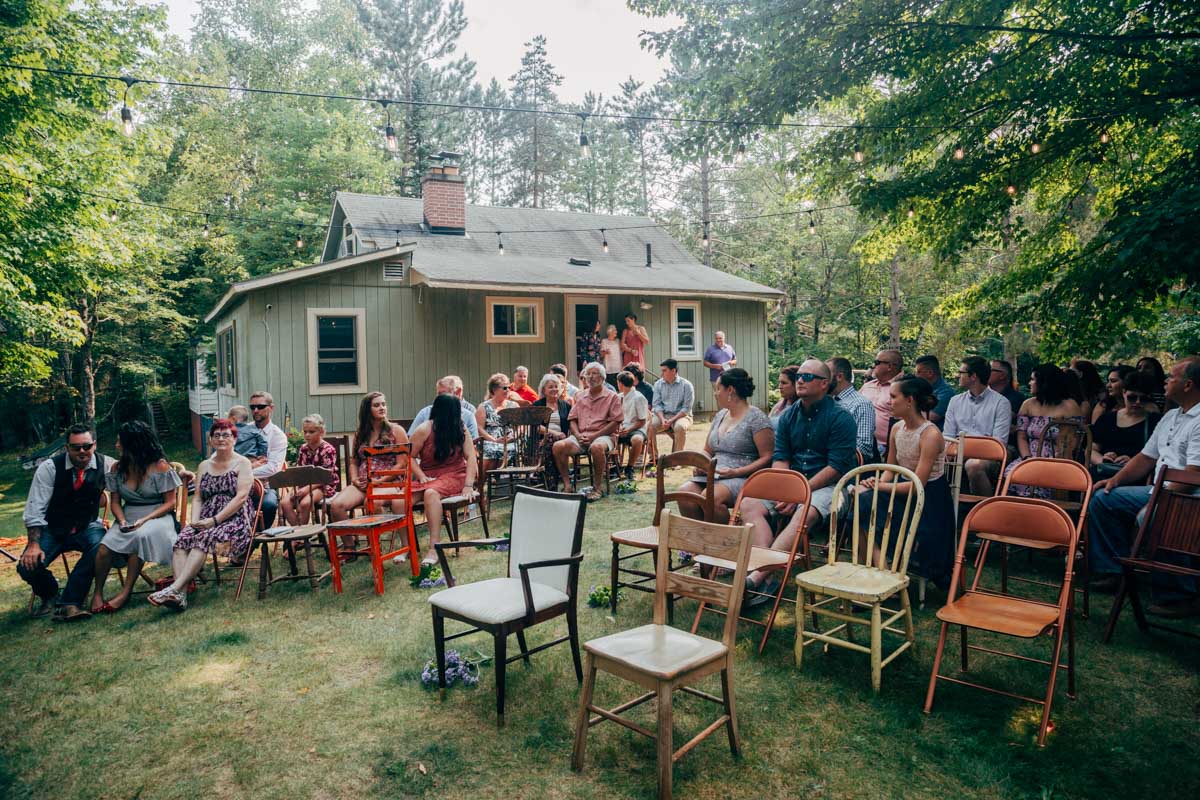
(415, 335)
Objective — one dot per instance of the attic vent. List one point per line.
(579, 262)
(393, 271)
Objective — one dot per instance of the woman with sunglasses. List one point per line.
(492, 432)
(1120, 434)
(220, 515)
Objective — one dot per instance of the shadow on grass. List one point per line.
(429, 770)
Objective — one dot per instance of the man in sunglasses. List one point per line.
(262, 405)
(62, 512)
(889, 365)
(815, 437)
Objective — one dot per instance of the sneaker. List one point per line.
(629, 473)
(764, 594)
(173, 599)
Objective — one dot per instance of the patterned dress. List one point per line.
(494, 451)
(380, 462)
(216, 492)
(447, 478)
(1042, 433)
(326, 457)
(587, 349)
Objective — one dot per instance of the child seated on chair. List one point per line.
(297, 506)
(635, 415)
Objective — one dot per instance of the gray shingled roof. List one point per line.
(540, 259)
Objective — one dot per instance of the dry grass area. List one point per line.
(318, 695)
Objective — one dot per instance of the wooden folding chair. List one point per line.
(305, 535)
(663, 659)
(522, 465)
(1066, 477)
(1017, 520)
(385, 485)
(341, 461)
(873, 574)
(769, 485)
(645, 540)
(1167, 542)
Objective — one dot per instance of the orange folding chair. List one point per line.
(770, 485)
(979, 448)
(386, 484)
(1013, 520)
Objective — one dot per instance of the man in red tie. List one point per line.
(61, 514)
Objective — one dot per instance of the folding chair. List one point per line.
(522, 464)
(662, 659)
(384, 485)
(1168, 542)
(645, 540)
(982, 448)
(305, 535)
(1017, 520)
(770, 485)
(870, 577)
(1059, 475)
(542, 583)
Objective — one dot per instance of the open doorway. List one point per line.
(583, 312)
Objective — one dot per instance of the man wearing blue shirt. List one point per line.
(930, 369)
(719, 357)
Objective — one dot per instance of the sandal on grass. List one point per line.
(592, 495)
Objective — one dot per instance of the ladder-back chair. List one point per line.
(522, 465)
(662, 659)
(874, 573)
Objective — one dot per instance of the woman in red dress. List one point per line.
(446, 463)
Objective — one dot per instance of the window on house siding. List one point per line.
(685, 330)
(348, 243)
(227, 357)
(515, 319)
(336, 350)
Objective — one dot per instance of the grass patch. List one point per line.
(318, 695)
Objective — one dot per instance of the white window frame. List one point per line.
(229, 389)
(539, 319)
(676, 353)
(349, 245)
(360, 340)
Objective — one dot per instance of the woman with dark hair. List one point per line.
(446, 463)
(587, 347)
(1074, 391)
(374, 430)
(1119, 435)
(142, 489)
(916, 444)
(1093, 384)
(1114, 391)
(220, 515)
(741, 439)
(1151, 366)
(1037, 423)
(787, 390)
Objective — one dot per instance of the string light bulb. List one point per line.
(1011, 188)
(959, 152)
(299, 240)
(1104, 137)
(28, 193)
(126, 111)
(204, 232)
(389, 132)
(812, 224)
(1035, 146)
(500, 242)
(585, 147)
(604, 241)
(113, 216)
(912, 212)
(858, 151)
(705, 242)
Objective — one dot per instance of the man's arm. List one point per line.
(422, 416)
(36, 504)
(842, 442)
(1135, 470)
(950, 429)
(469, 423)
(657, 403)
(276, 453)
(1002, 420)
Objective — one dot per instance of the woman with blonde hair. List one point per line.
(315, 452)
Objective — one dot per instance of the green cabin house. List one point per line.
(411, 289)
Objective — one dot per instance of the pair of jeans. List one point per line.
(1113, 521)
(54, 542)
(270, 502)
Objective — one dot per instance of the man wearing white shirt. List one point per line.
(979, 411)
(1119, 502)
(262, 405)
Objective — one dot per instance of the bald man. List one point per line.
(815, 437)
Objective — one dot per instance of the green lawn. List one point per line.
(319, 695)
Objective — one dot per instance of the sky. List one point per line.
(593, 43)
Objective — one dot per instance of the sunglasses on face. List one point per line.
(258, 406)
(889, 363)
(81, 448)
(809, 377)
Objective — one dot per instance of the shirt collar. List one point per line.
(982, 395)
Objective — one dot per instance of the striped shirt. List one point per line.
(863, 412)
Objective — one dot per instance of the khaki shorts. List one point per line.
(682, 424)
(605, 441)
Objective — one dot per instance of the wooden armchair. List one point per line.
(545, 550)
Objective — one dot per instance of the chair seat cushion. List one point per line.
(658, 650)
(759, 557)
(372, 521)
(638, 537)
(495, 601)
(852, 581)
(999, 614)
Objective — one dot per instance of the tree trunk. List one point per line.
(705, 201)
(894, 306)
(86, 371)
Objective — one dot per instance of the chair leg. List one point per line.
(787, 573)
(1071, 653)
(937, 665)
(377, 561)
(1004, 569)
(731, 728)
(876, 648)
(245, 565)
(524, 647)
(439, 647)
(613, 584)
(1135, 602)
(335, 561)
(501, 638)
(664, 741)
(414, 552)
(910, 632)
(308, 562)
(581, 721)
(962, 631)
(1118, 604)
(1044, 728)
(264, 570)
(801, 617)
(573, 636)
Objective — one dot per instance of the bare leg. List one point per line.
(133, 568)
(784, 540)
(286, 509)
(103, 565)
(563, 450)
(687, 507)
(433, 513)
(188, 567)
(755, 513)
(979, 480)
(599, 454)
(636, 445)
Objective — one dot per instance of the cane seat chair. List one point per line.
(873, 574)
(662, 659)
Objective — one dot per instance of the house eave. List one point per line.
(435, 283)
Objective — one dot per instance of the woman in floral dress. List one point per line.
(220, 514)
(1038, 422)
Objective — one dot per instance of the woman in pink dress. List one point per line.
(446, 463)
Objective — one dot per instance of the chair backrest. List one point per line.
(1057, 474)
(257, 491)
(729, 542)
(524, 422)
(893, 516)
(695, 460)
(985, 448)
(341, 457)
(954, 472)
(183, 497)
(546, 525)
(391, 480)
(315, 478)
(777, 485)
(1017, 519)
(1171, 524)
(1073, 441)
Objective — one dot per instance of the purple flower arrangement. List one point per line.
(458, 668)
(430, 577)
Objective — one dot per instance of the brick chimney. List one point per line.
(444, 196)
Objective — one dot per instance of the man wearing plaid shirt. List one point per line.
(841, 389)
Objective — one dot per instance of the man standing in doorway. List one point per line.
(719, 357)
(262, 405)
(633, 341)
